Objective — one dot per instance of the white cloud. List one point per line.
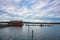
(12, 1)
(48, 13)
(36, 20)
(17, 13)
(17, 1)
(39, 5)
(23, 12)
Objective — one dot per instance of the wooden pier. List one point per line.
(21, 23)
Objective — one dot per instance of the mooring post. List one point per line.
(32, 34)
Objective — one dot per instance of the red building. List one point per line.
(15, 23)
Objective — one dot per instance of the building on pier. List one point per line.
(13, 23)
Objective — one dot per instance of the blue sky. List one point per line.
(30, 10)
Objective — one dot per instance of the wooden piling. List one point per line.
(32, 34)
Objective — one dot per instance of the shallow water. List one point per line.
(25, 33)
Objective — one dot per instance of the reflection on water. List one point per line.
(10, 33)
(25, 33)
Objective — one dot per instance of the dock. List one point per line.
(21, 23)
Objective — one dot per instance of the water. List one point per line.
(25, 33)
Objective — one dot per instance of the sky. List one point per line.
(30, 10)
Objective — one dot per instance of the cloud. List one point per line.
(39, 5)
(29, 9)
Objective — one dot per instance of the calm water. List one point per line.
(25, 33)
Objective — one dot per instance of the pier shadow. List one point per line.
(11, 26)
